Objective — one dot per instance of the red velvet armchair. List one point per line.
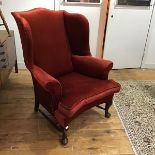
(67, 79)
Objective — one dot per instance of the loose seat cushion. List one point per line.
(80, 90)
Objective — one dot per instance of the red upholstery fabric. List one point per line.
(91, 66)
(77, 28)
(80, 90)
(44, 97)
(67, 80)
(26, 39)
(47, 82)
(49, 43)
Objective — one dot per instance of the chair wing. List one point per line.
(77, 28)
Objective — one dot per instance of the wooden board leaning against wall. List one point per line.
(8, 58)
(102, 28)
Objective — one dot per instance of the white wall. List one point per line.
(149, 55)
(19, 5)
(93, 14)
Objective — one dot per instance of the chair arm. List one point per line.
(91, 66)
(48, 82)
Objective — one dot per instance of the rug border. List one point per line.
(133, 148)
(131, 80)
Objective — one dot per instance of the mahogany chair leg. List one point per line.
(51, 119)
(64, 139)
(16, 67)
(107, 106)
(36, 106)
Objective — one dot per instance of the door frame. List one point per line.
(104, 12)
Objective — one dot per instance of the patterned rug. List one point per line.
(135, 105)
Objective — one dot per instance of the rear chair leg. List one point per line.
(36, 106)
(107, 106)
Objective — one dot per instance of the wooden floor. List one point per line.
(133, 74)
(23, 132)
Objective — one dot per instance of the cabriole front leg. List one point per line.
(64, 139)
(107, 106)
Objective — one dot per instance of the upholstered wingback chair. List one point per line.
(67, 79)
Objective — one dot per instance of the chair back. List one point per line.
(44, 40)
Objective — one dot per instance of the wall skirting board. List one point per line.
(21, 65)
(150, 66)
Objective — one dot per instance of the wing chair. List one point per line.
(67, 79)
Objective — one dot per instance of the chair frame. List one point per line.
(80, 56)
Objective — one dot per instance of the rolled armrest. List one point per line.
(48, 82)
(91, 66)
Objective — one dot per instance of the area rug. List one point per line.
(135, 105)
